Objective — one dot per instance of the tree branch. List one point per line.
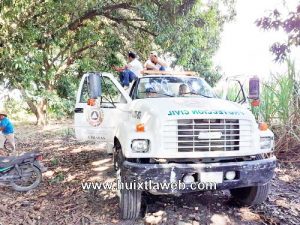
(70, 60)
(46, 62)
(125, 22)
(62, 52)
(79, 51)
(126, 19)
(97, 12)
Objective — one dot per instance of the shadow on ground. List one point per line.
(61, 199)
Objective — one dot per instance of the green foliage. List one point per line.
(193, 38)
(60, 108)
(15, 108)
(280, 106)
(284, 96)
(58, 178)
(45, 46)
(54, 162)
(267, 108)
(277, 102)
(232, 93)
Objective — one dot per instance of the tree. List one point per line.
(290, 24)
(196, 36)
(47, 45)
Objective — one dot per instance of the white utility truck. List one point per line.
(172, 128)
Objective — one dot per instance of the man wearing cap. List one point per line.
(155, 63)
(131, 71)
(7, 129)
(150, 92)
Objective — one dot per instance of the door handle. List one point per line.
(78, 110)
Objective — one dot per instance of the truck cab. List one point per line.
(171, 134)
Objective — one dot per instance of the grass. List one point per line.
(280, 108)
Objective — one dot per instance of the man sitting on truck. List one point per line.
(131, 71)
(155, 63)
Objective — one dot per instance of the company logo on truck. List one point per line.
(199, 112)
(95, 116)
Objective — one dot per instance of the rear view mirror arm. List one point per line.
(241, 90)
(111, 100)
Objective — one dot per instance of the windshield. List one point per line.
(162, 87)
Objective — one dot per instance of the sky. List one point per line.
(244, 48)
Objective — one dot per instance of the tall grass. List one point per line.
(280, 98)
(277, 100)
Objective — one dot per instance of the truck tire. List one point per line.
(251, 195)
(130, 200)
(130, 204)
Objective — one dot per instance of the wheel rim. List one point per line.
(29, 177)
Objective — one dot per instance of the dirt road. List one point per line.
(61, 200)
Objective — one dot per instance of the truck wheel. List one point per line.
(251, 195)
(130, 200)
(130, 204)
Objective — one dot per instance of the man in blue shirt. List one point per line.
(7, 129)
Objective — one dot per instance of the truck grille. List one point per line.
(197, 135)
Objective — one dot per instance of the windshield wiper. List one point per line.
(166, 94)
(154, 92)
(194, 93)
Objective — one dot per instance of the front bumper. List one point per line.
(250, 173)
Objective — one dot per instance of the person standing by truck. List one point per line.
(155, 63)
(131, 71)
(7, 129)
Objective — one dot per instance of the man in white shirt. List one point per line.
(131, 71)
(155, 63)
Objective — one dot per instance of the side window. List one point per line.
(133, 88)
(84, 96)
(235, 92)
(110, 92)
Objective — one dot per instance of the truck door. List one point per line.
(234, 91)
(99, 124)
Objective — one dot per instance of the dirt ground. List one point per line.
(61, 200)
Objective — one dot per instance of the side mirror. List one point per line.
(94, 82)
(254, 88)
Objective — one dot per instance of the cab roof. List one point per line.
(170, 72)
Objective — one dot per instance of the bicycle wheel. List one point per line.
(29, 179)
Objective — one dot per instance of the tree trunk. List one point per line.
(41, 112)
(38, 108)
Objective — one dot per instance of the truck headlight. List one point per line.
(140, 145)
(266, 142)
